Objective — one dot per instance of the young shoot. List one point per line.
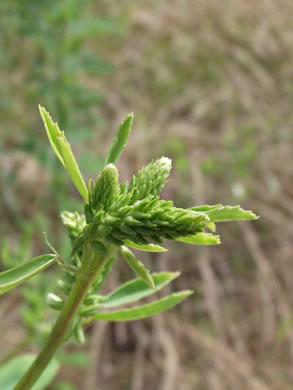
(118, 217)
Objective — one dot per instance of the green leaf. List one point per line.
(12, 371)
(53, 132)
(119, 141)
(230, 213)
(17, 275)
(205, 208)
(220, 213)
(200, 239)
(137, 266)
(137, 289)
(145, 247)
(63, 151)
(73, 168)
(146, 310)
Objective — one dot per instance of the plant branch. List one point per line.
(91, 267)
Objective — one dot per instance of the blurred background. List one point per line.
(211, 86)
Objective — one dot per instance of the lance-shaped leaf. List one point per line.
(221, 213)
(137, 289)
(53, 132)
(206, 207)
(17, 275)
(137, 266)
(227, 213)
(63, 151)
(119, 141)
(145, 247)
(200, 239)
(73, 168)
(143, 311)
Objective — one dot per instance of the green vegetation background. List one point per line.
(211, 86)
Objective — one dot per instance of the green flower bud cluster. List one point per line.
(117, 213)
(149, 218)
(135, 212)
(75, 223)
(151, 179)
(106, 190)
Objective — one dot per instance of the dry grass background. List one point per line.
(217, 75)
(211, 84)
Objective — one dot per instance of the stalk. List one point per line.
(91, 267)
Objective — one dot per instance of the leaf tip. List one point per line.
(152, 284)
(185, 293)
(175, 274)
(43, 112)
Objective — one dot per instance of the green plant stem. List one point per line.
(91, 267)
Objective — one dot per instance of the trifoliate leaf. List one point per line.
(119, 141)
(137, 289)
(63, 151)
(137, 266)
(146, 310)
(146, 248)
(200, 239)
(18, 275)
